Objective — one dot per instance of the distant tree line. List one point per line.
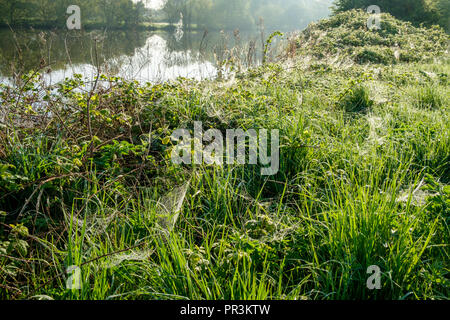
(210, 14)
(244, 14)
(52, 13)
(427, 12)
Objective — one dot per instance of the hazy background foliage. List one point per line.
(202, 13)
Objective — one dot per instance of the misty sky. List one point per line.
(153, 4)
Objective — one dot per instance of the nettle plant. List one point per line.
(14, 245)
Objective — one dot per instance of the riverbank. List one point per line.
(147, 26)
(363, 178)
(162, 26)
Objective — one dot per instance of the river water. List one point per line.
(146, 56)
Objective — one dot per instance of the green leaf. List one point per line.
(21, 246)
(166, 140)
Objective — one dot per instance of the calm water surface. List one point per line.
(134, 55)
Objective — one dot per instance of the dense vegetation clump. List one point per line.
(418, 12)
(347, 36)
(86, 180)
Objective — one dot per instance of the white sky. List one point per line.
(153, 4)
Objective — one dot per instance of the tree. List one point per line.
(443, 8)
(173, 8)
(13, 10)
(138, 13)
(203, 13)
(46, 10)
